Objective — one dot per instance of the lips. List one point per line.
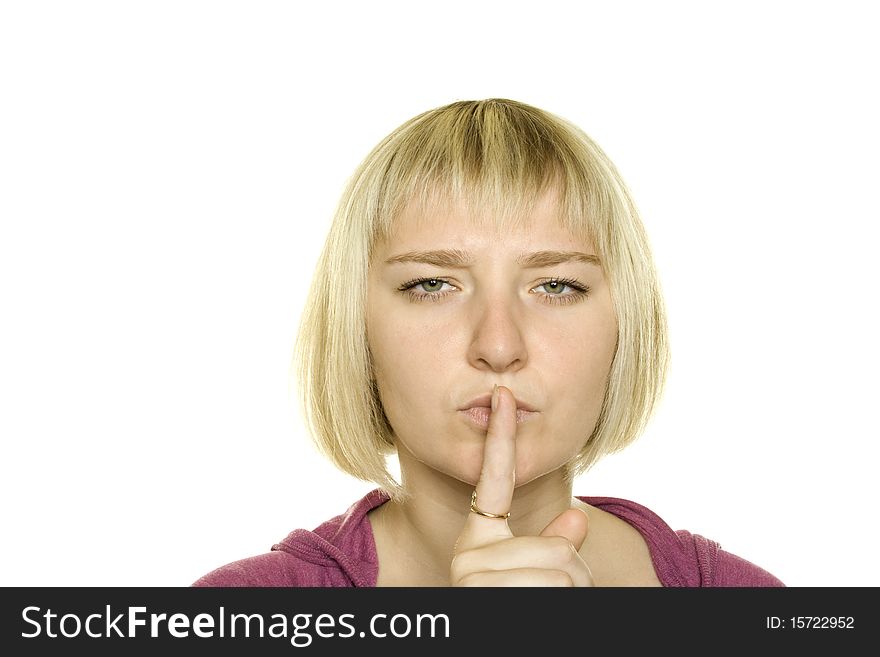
(479, 415)
(485, 401)
(477, 411)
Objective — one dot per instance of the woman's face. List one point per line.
(490, 309)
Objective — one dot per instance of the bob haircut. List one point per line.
(496, 157)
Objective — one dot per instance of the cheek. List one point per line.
(579, 361)
(407, 362)
(577, 366)
(406, 358)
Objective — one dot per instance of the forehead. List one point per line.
(446, 221)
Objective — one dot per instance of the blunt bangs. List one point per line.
(494, 158)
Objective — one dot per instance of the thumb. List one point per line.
(571, 524)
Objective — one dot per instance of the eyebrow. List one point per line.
(458, 258)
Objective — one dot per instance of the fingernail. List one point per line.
(494, 397)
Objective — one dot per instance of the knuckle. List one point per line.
(561, 579)
(460, 565)
(562, 550)
(455, 568)
(470, 579)
(496, 476)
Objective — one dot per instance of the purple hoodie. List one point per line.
(342, 552)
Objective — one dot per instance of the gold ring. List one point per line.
(485, 514)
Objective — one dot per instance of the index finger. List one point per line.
(498, 473)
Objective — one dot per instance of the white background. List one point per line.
(167, 175)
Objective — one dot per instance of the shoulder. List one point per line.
(681, 558)
(269, 569)
(732, 570)
(339, 552)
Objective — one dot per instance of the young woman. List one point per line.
(486, 309)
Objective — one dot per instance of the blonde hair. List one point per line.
(498, 157)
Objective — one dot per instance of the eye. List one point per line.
(556, 285)
(431, 289)
(430, 286)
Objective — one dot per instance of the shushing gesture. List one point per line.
(486, 552)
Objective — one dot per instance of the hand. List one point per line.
(486, 552)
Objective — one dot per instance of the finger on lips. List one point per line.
(487, 553)
(494, 490)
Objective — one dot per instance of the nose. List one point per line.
(498, 343)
